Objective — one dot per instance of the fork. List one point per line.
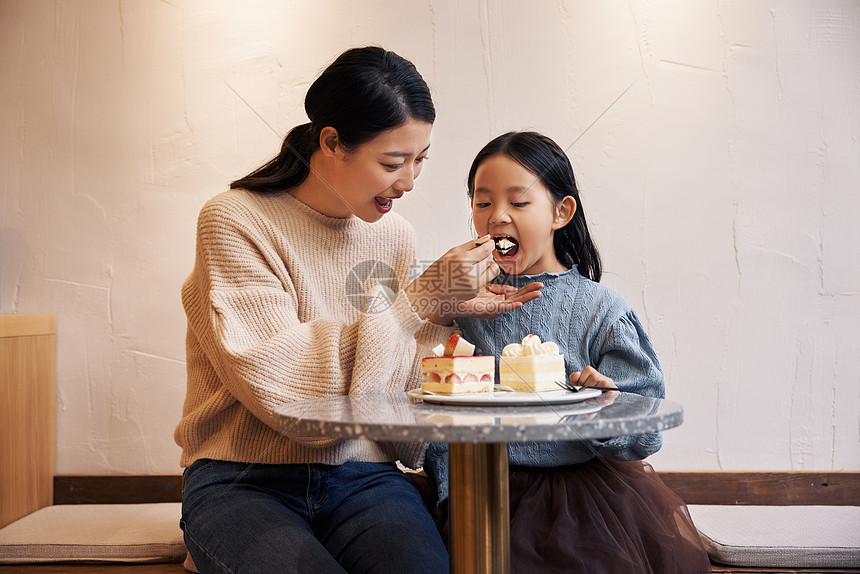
(568, 387)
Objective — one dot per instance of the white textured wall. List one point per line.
(723, 188)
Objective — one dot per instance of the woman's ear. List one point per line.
(330, 142)
(564, 212)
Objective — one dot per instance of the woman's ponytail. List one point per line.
(288, 169)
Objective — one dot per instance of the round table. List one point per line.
(478, 454)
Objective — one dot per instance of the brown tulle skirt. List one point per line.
(604, 516)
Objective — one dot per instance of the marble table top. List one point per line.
(397, 417)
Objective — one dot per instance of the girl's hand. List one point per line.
(591, 376)
(459, 275)
(492, 301)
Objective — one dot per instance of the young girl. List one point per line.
(587, 506)
(276, 313)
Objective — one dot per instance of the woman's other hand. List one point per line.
(492, 301)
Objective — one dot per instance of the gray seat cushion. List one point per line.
(781, 536)
(95, 533)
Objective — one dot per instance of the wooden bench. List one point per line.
(725, 488)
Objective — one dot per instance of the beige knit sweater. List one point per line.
(273, 317)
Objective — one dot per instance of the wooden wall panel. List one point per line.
(776, 488)
(28, 414)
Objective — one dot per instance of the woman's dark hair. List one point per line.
(363, 93)
(547, 161)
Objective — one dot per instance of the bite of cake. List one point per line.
(531, 366)
(457, 371)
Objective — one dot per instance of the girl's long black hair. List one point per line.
(363, 93)
(547, 161)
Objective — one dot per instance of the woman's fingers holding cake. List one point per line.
(457, 277)
(453, 277)
(470, 270)
(469, 267)
(485, 242)
(458, 285)
(490, 271)
(481, 255)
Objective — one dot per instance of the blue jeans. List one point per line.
(356, 517)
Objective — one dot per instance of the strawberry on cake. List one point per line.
(457, 370)
(531, 366)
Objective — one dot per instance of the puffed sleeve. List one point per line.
(628, 358)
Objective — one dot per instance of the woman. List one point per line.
(273, 317)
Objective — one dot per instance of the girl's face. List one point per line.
(367, 181)
(512, 204)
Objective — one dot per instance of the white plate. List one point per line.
(506, 398)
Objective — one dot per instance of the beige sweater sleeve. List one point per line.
(271, 322)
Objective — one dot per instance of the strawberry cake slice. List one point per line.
(457, 371)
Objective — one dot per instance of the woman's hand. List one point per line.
(491, 302)
(459, 275)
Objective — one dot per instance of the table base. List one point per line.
(479, 515)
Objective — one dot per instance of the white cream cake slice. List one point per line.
(531, 366)
(531, 373)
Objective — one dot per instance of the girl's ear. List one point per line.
(330, 143)
(564, 212)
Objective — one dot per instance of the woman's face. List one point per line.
(380, 171)
(510, 202)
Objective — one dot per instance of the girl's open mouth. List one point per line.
(506, 246)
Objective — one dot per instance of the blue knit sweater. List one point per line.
(592, 325)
